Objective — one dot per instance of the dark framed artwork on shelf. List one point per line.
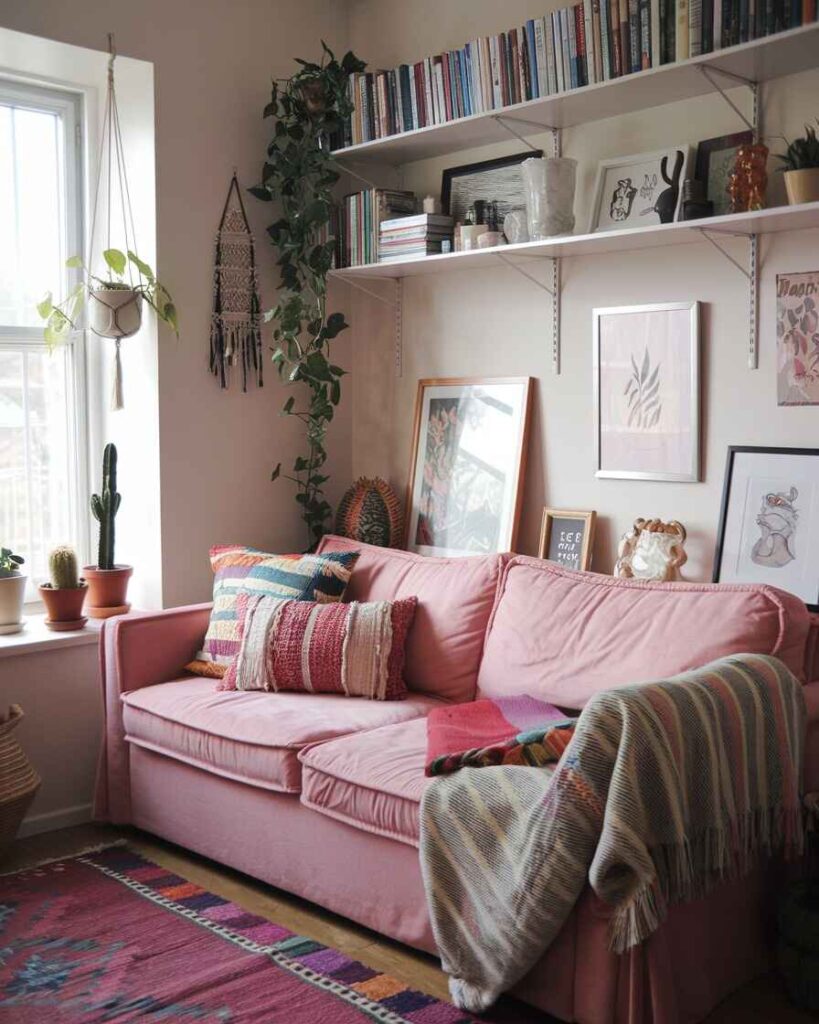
(498, 181)
(768, 528)
(468, 461)
(640, 191)
(566, 537)
(715, 162)
(647, 392)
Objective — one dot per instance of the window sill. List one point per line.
(36, 638)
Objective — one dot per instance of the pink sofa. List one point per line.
(319, 795)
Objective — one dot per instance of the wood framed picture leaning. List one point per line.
(769, 522)
(469, 446)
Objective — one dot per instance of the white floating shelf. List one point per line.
(759, 61)
(762, 222)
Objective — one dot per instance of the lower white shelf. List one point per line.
(761, 222)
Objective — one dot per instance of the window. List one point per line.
(42, 429)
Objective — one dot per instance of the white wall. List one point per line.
(213, 62)
(495, 322)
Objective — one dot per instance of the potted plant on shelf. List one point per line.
(64, 595)
(12, 591)
(800, 164)
(114, 304)
(107, 581)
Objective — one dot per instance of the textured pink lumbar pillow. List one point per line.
(355, 649)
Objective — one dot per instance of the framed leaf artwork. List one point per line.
(468, 461)
(797, 338)
(647, 392)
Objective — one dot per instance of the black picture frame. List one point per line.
(484, 187)
(733, 451)
(706, 151)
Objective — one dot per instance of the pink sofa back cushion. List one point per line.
(563, 636)
(455, 598)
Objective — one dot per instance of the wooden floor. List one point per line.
(762, 1002)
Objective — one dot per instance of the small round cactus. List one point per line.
(62, 564)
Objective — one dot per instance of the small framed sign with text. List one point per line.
(566, 537)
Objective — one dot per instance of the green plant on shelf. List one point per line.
(299, 174)
(802, 154)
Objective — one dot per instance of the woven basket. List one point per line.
(18, 779)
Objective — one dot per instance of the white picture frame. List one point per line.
(647, 392)
(629, 189)
(767, 530)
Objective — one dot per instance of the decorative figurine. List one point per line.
(749, 178)
(652, 550)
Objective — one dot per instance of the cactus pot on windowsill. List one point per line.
(107, 581)
(63, 596)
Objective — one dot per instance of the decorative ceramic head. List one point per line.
(652, 550)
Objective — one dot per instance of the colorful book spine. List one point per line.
(634, 34)
(616, 41)
(605, 41)
(681, 44)
(530, 48)
(580, 30)
(644, 9)
(591, 71)
(540, 58)
(656, 60)
(695, 27)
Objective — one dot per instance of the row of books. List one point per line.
(592, 41)
(413, 237)
(358, 221)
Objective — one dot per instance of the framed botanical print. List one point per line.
(715, 162)
(566, 537)
(797, 338)
(769, 522)
(647, 392)
(468, 459)
(640, 191)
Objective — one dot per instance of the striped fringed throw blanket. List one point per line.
(666, 788)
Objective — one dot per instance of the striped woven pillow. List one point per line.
(354, 649)
(242, 570)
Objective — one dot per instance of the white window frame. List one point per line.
(70, 107)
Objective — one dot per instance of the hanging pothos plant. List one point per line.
(299, 173)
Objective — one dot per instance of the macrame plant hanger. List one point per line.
(235, 331)
(111, 166)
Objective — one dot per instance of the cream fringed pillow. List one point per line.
(354, 649)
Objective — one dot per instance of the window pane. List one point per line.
(36, 467)
(32, 222)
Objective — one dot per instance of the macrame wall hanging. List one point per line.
(235, 332)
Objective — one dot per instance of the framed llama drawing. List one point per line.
(647, 392)
(768, 530)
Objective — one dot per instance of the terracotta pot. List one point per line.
(12, 592)
(802, 186)
(114, 312)
(64, 607)
(107, 590)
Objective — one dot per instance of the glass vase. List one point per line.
(549, 187)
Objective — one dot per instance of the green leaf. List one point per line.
(74, 262)
(141, 266)
(288, 405)
(115, 259)
(45, 307)
(170, 317)
(261, 192)
(276, 472)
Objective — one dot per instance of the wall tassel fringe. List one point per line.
(235, 333)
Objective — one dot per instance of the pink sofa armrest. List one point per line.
(135, 651)
(811, 772)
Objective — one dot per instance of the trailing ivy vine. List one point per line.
(299, 174)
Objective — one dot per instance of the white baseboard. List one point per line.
(50, 822)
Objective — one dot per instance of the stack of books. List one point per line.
(359, 219)
(592, 41)
(408, 238)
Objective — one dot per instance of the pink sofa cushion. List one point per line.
(455, 597)
(563, 636)
(373, 781)
(251, 737)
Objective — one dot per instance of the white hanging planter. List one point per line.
(114, 312)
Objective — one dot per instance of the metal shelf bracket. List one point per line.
(711, 73)
(751, 274)
(396, 303)
(553, 290)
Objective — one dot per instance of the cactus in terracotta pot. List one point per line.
(63, 596)
(107, 581)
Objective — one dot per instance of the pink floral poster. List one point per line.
(797, 338)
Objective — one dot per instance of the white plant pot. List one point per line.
(12, 592)
(802, 186)
(549, 185)
(115, 312)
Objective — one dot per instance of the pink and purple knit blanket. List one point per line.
(506, 730)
